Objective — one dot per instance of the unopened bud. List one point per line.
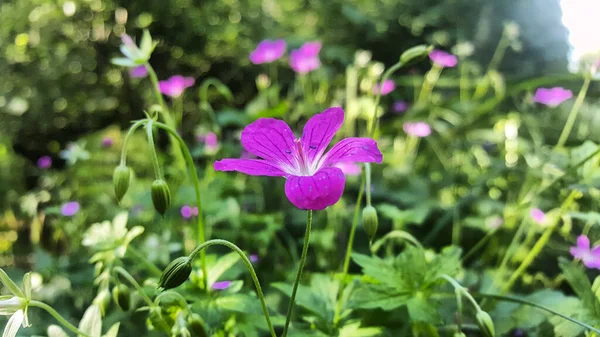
(161, 196)
(121, 296)
(197, 325)
(102, 300)
(415, 53)
(370, 221)
(486, 325)
(176, 273)
(121, 178)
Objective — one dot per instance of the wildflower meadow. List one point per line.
(294, 168)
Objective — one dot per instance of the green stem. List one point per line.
(153, 156)
(132, 129)
(248, 264)
(368, 185)
(135, 284)
(58, 317)
(430, 80)
(338, 307)
(478, 245)
(511, 247)
(299, 273)
(564, 135)
(196, 181)
(151, 266)
(538, 306)
(385, 77)
(10, 284)
(482, 86)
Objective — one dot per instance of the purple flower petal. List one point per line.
(318, 191)
(70, 208)
(44, 162)
(552, 97)
(221, 285)
(186, 212)
(349, 168)
(253, 167)
(583, 242)
(400, 106)
(268, 51)
(138, 72)
(270, 139)
(306, 59)
(538, 216)
(320, 130)
(357, 150)
(107, 142)
(311, 49)
(175, 85)
(253, 258)
(387, 87)
(443, 58)
(417, 129)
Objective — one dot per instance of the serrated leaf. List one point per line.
(370, 296)
(423, 310)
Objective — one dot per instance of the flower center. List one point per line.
(304, 166)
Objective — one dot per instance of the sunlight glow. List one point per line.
(581, 19)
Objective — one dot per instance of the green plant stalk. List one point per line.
(248, 265)
(338, 307)
(351, 89)
(10, 284)
(58, 317)
(464, 81)
(537, 248)
(538, 306)
(165, 113)
(151, 266)
(511, 247)
(196, 181)
(430, 80)
(373, 122)
(368, 184)
(564, 135)
(132, 129)
(503, 44)
(478, 245)
(290, 310)
(154, 158)
(134, 283)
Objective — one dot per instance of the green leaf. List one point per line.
(423, 310)
(402, 217)
(378, 269)
(219, 267)
(113, 331)
(353, 329)
(319, 299)
(370, 296)
(240, 303)
(578, 280)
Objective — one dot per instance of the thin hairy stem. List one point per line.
(58, 317)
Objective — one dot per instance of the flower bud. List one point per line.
(102, 300)
(121, 296)
(370, 221)
(161, 196)
(415, 53)
(121, 178)
(197, 325)
(176, 273)
(486, 325)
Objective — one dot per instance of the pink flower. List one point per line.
(70, 208)
(221, 285)
(107, 142)
(187, 211)
(175, 85)
(349, 169)
(387, 87)
(44, 162)
(253, 258)
(138, 72)
(210, 140)
(552, 97)
(538, 216)
(312, 182)
(583, 252)
(400, 106)
(306, 59)
(268, 51)
(443, 58)
(417, 129)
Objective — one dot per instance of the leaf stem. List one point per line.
(564, 135)
(288, 317)
(153, 268)
(153, 156)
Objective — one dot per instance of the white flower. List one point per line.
(17, 307)
(14, 323)
(105, 236)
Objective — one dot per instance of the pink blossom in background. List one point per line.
(495, 222)
(312, 182)
(44, 162)
(268, 51)
(552, 97)
(107, 142)
(349, 169)
(306, 58)
(253, 258)
(538, 216)
(443, 58)
(138, 72)
(188, 211)
(385, 88)
(211, 141)
(70, 208)
(582, 251)
(175, 85)
(400, 106)
(417, 129)
(221, 285)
